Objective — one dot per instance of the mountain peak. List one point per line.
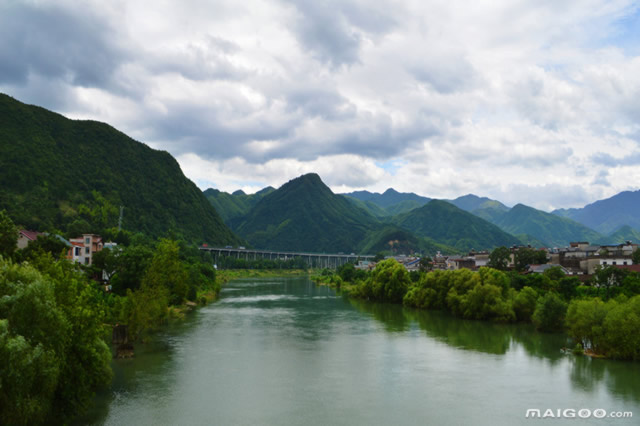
(238, 192)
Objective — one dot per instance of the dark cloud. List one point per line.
(77, 47)
(601, 178)
(610, 161)
(333, 30)
(445, 74)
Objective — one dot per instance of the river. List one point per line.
(284, 351)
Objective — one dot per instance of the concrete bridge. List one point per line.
(314, 260)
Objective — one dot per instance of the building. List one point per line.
(83, 248)
(25, 237)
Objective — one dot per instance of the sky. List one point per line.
(523, 101)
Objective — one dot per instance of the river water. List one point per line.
(287, 352)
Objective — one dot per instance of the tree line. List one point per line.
(602, 318)
(56, 317)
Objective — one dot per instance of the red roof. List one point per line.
(30, 235)
(632, 268)
(77, 244)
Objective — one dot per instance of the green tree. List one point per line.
(621, 327)
(568, 287)
(550, 313)
(635, 257)
(499, 258)
(52, 337)
(426, 264)
(585, 322)
(166, 270)
(45, 244)
(609, 277)
(554, 273)
(525, 256)
(8, 235)
(525, 304)
(388, 282)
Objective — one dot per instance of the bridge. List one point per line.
(314, 260)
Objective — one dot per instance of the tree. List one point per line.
(8, 235)
(388, 282)
(499, 258)
(426, 264)
(528, 256)
(525, 303)
(609, 277)
(635, 257)
(52, 348)
(45, 244)
(378, 257)
(550, 313)
(167, 271)
(585, 320)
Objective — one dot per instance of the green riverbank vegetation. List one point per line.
(57, 317)
(603, 317)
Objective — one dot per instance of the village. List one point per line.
(580, 259)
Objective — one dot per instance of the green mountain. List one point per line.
(625, 233)
(68, 175)
(235, 205)
(447, 224)
(550, 229)
(606, 216)
(369, 206)
(486, 208)
(304, 215)
(394, 240)
(388, 198)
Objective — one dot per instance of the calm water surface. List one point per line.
(286, 352)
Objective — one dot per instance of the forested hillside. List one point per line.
(72, 176)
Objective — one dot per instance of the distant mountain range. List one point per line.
(304, 214)
(407, 221)
(72, 176)
(609, 215)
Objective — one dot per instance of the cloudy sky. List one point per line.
(523, 101)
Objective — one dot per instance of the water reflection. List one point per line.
(587, 374)
(288, 352)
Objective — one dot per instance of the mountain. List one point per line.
(625, 233)
(550, 229)
(235, 205)
(72, 176)
(606, 216)
(447, 224)
(388, 198)
(369, 206)
(483, 207)
(395, 240)
(305, 215)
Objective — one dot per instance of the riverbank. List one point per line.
(223, 276)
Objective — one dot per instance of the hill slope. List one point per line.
(552, 230)
(606, 216)
(391, 201)
(304, 215)
(483, 207)
(238, 204)
(57, 173)
(447, 224)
